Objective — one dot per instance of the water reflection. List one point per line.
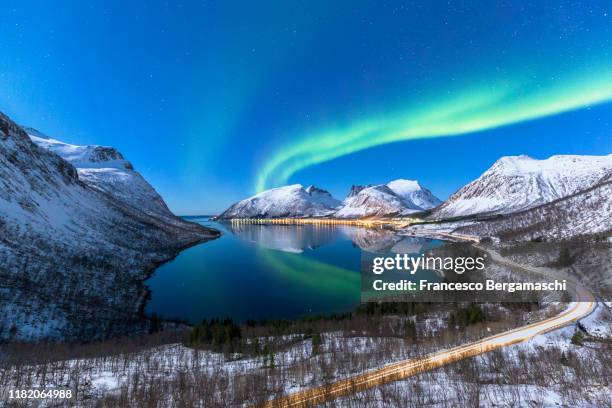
(270, 271)
(297, 238)
(286, 238)
(321, 277)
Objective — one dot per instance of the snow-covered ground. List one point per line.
(546, 371)
(536, 373)
(599, 323)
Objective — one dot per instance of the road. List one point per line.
(582, 306)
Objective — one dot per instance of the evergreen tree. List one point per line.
(577, 338)
(316, 343)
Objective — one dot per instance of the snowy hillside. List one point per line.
(355, 189)
(397, 198)
(414, 194)
(105, 169)
(375, 201)
(287, 201)
(585, 214)
(73, 258)
(516, 183)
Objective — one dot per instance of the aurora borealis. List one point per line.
(213, 101)
(471, 112)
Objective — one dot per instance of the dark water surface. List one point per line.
(270, 271)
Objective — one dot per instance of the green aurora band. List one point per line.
(326, 279)
(479, 109)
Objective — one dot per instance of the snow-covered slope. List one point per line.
(516, 183)
(397, 198)
(106, 169)
(72, 257)
(585, 214)
(287, 201)
(375, 201)
(355, 189)
(414, 194)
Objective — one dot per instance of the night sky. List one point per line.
(213, 101)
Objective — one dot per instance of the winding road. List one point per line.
(583, 305)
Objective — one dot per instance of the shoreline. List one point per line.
(395, 223)
(150, 269)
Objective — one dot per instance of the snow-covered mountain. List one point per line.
(397, 198)
(355, 189)
(414, 194)
(516, 183)
(73, 257)
(585, 214)
(375, 201)
(106, 169)
(287, 201)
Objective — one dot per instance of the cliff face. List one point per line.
(73, 257)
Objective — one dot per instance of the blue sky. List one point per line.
(211, 100)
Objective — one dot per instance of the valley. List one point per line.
(90, 252)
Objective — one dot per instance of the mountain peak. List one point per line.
(105, 168)
(414, 194)
(355, 189)
(93, 156)
(405, 184)
(286, 201)
(34, 132)
(524, 164)
(373, 201)
(312, 189)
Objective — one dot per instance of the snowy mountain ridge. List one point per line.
(81, 156)
(105, 169)
(399, 197)
(516, 183)
(513, 183)
(374, 201)
(288, 201)
(414, 194)
(585, 214)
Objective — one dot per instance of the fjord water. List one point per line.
(269, 272)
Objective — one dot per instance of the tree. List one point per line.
(155, 324)
(271, 359)
(466, 316)
(316, 343)
(565, 258)
(577, 338)
(268, 356)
